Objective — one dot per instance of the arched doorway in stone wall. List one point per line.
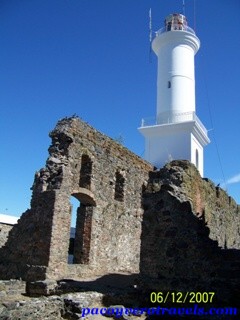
(83, 202)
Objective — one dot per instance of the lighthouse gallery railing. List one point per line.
(175, 27)
(177, 117)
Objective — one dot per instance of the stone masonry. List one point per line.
(107, 179)
(190, 235)
(170, 226)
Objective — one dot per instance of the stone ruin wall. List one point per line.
(107, 179)
(190, 235)
(177, 229)
(212, 204)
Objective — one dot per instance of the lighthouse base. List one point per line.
(175, 141)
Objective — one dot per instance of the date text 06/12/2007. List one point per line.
(181, 297)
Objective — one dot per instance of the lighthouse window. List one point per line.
(169, 84)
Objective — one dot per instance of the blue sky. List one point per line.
(91, 57)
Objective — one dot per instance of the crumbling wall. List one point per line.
(211, 203)
(107, 180)
(181, 241)
(222, 215)
(181, 230)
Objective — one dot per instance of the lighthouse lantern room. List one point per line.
(176, 133)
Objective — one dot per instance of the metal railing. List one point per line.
(170, 118)
(175, 28)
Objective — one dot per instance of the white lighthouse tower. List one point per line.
(176, 133)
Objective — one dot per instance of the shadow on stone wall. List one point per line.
(176, 251)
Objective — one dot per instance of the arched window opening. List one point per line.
(85, 172)
(197, 159)
(119, 187)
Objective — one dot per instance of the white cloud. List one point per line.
(234, 179)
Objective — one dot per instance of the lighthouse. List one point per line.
(175, 133)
